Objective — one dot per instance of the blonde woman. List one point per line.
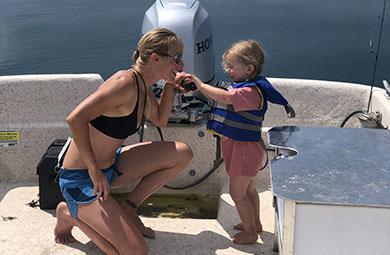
(96, 160)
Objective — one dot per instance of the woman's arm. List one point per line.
(158, 112)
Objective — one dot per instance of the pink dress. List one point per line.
(243, 158)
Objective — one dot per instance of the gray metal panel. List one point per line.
(332, 165)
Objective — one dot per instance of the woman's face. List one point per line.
(171, 64)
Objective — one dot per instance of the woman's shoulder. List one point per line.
(122, 78)
(120, 83)
(123, 75)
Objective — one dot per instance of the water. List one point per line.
(302, 38)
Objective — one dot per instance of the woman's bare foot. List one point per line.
(259, 227)
(65, 223)
(145, 231)
(245, 238)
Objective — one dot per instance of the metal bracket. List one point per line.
(387, 89)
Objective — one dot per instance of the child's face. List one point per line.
(238, 71)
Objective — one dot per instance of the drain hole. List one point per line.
(285, 153)
(183, 206)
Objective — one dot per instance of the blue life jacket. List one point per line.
(244, 125)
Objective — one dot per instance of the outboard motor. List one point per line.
(192, 23)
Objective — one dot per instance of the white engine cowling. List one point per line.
(192, 23)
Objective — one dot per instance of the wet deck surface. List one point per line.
(29, 230)
(333, 166)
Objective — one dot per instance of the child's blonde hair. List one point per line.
(159, 40)
(248, 52)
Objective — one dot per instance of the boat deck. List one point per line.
(29, 230)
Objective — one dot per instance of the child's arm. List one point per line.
(272, 94)
(275, 97)
(290, 111)
(220, 95)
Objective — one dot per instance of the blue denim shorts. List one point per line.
(77, 187)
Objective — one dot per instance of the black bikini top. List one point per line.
(123, 126)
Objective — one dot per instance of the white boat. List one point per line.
(32, 113)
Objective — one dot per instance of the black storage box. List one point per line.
(49, 190)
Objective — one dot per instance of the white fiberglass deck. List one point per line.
(35, 108)
(31, 231)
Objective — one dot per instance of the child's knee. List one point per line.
(239, 199)
(238, 195)
(252, 190)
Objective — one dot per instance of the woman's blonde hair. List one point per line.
(158, 40)
(247, 52)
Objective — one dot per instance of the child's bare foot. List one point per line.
(259, 227)
(65, 223)
(145, 231)
(245, 238)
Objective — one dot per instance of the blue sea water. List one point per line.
(313, 39)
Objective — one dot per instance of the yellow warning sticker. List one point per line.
(9, 138)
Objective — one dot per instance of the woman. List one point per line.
(96, 160)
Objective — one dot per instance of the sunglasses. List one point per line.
(176, 58)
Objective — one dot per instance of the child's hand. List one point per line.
(290, 111)
(179, 79)
(196, 80)
(188, 82)
(188, 85)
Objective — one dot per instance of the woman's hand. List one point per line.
(180, 76)
(185, 77)
(177, 87)
(100, 184)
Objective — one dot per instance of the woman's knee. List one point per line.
(185, 153)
